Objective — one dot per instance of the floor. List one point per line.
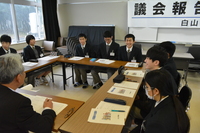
(78, 93)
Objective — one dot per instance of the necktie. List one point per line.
(107, 48)
(36, 52)
(7, 52)
(128, 53)
(83, 49)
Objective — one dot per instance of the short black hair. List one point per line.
(169, 47)
(5, 38)
(28, 38)
(130, 36)
(107, 34)
(157, 53)
(82, 35)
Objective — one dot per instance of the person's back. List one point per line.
(17, 114)
(170, 65)
(168, 114)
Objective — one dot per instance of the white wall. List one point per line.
(95, 12)
(79, 12)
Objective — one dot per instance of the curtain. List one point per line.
(52, 29)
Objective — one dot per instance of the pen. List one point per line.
(117, 110)
(69, 112)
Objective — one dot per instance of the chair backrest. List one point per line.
(49, 46)
(71, 43)
(185, 96)
(194, 51)
(178, 80)
(138, 45)
(61, 41)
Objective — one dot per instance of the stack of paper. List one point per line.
(131, 64)
(29, 64)
(135, 73)
(105, 61)
(76, 58)
(122, 91)
(127, 84)
(37, 103)
(109, 113)
(48, 57)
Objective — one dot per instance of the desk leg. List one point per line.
(64, 75)
(52, 73)
(73, 73)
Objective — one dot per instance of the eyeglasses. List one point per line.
(145, 87)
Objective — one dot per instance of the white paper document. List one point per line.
(29, 64)
(37, 103)
(29, 87)
(131, 64)
(112, 106)
(127, 84)
(134, 73)
(105, 61)
(76, 58)
(105, 116)
(121, 91)
(48, 57)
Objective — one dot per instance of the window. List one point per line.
(19, 19)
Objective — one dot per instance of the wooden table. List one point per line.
(78, 122)
(59, 120)
(86, 61)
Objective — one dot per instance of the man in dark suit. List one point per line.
(107, 50)
(170, 65)
(17, 114)
(129, 52)
(82, 50)
(31, 53)
(5, 48)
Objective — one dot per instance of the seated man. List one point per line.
(82, 50)
(129, 52)
(170, 65)
(17, 114)
(5, 48)
(107, 50)
(31, 53)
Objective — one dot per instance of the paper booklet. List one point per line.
(135, 73)
(127, 85)
(122, 91)
(131, 64)
(76, 58)
(113, 106)
(105, 61)
(37, 103)
(105, 116)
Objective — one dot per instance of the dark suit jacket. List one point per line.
(170, 66)
(17, 114)
(136, 52)
(114, 47)
(162, 118)
(2, 52)
(87, 50)
(28, 53)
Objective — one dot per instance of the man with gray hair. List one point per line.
(17, 114)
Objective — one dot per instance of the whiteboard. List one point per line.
(181, 35)
(144, 34)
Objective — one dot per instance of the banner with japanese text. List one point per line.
(164, 13)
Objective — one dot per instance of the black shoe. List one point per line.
(77, 84)
(85, 85)
(97, 86)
